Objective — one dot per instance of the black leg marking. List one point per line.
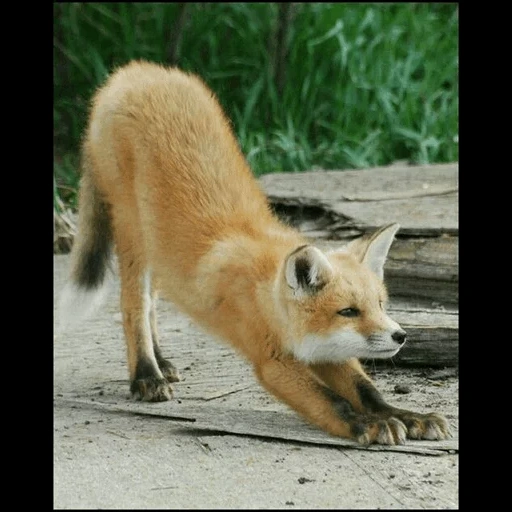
(371, 399)
(341, 405)
(169, 371)
(367, 428)
(145, 369)
(148, 385)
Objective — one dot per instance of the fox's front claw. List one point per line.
(390, 431)
(430, 426)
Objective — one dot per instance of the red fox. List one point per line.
(165, 183)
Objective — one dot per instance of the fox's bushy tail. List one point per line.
(90, 256)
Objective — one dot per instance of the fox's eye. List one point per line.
(349, 312)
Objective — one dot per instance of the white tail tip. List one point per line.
(76, 304)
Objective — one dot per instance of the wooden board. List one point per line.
(267, 424)
(433, 337)
(422, 199)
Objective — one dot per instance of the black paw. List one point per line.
(169, 371)
(151, 389)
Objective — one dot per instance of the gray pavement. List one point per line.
(109, 456)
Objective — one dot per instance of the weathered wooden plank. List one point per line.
(432, 337)
(268, 424)
(423, 199)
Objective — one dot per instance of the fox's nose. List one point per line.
(399, 336)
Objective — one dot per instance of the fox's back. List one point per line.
(163, 147)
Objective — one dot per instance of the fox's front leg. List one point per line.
(349, 380)
(293, 383)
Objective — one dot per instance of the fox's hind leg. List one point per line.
(168, 370)
(147, 382)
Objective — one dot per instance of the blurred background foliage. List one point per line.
(309, 85)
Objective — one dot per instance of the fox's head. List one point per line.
(335, 302)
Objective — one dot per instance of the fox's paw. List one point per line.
(389, 431)
(430, 426)
(151, 389)
(169, 371)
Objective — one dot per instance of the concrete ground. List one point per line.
(111, 457)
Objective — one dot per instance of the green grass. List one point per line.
(366, 83)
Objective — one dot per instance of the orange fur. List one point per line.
(188, 219)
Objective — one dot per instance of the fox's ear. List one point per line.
(307, 269)
(373, 250)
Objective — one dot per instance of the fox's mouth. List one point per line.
(384, 352)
